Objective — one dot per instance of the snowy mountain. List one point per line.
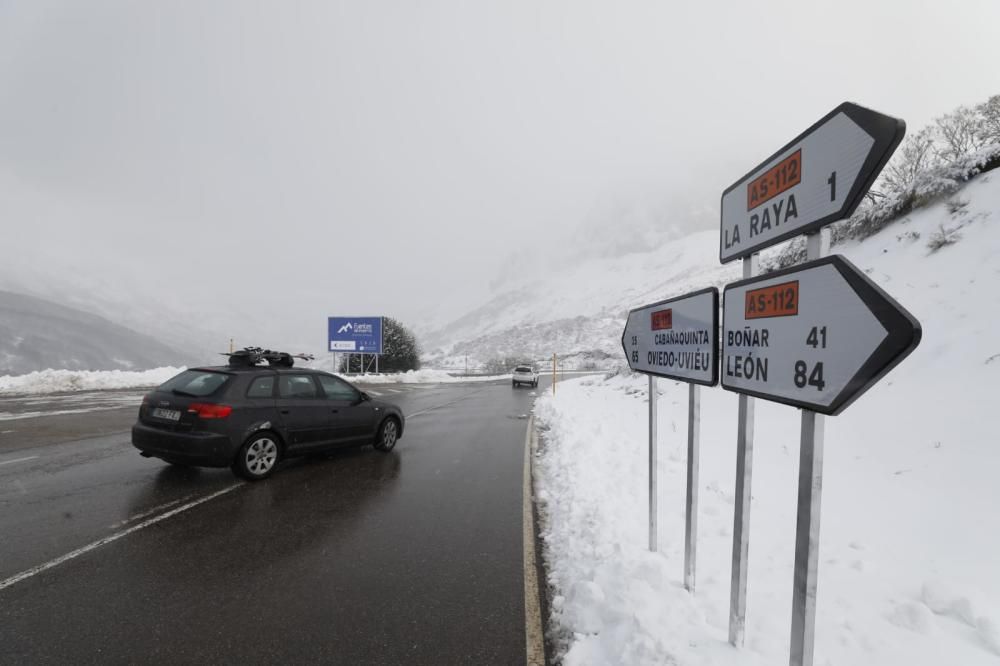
(36, 334)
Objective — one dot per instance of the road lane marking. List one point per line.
(15, 460)
(150, 512)
(35, 570)
(533, 634)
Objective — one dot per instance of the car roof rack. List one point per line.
(249, 357)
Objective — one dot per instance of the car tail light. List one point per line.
(207, 410)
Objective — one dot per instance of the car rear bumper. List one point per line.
(204, 449)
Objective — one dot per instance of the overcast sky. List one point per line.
(388, 157)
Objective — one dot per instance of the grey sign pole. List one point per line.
(652, 463)
(691, 512)
(741, 513)
(808, 517)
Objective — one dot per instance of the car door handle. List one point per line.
(284, 411)
(335, 411)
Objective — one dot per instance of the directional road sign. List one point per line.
(677, 338)
(817, 335)
(818, 178)
(355, 334)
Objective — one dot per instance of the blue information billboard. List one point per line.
(355, 334)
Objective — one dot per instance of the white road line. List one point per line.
(8, 462)
(533, 635)
(28, 573)
(150, 512)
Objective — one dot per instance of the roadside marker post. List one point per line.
(815, 336)
(677, 339)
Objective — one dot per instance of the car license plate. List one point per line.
(168, 414)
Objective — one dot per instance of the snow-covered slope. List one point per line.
(910, 532)
(579, 309)
(36, 334)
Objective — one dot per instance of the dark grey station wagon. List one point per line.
(249, 418)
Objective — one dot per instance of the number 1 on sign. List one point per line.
(832, 182)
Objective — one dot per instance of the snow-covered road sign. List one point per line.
(818, 178)
(817, 335)
(677, 338)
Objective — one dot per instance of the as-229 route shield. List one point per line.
(816, 336)
(819, 177)
(677, 338)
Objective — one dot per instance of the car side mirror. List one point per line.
(365, 397)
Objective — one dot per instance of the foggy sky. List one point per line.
(314, 158)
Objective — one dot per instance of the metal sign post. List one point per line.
(808, 517)
(652, 464)
(679, 339)
(741, 508)
(691, 504)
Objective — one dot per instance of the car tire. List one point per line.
(513, 384)
(534, 384)
(258, 457)
(388, 435)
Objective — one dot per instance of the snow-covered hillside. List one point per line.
(910, 531)
(579, 311)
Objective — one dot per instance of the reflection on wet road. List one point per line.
(358, 557)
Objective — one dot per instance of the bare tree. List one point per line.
(989, 120)
(960, 133)
(918, 154)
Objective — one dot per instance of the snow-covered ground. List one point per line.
(419, 377)
(910, 536)
(55, 381)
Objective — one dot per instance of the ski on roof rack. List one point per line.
(252, 356)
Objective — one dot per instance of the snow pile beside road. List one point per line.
(56, 381)
(419, 377)
(909, 533)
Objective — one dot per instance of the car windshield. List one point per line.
(522, 369)
(195, 383)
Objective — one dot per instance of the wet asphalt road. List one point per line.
(411, 557)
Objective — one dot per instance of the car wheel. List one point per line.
(388, 434)
(258, 457)
(534, 384)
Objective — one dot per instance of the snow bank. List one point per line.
(54, 381)
(419, 377)
(910, 532)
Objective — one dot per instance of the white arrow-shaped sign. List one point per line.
(677, 338)
(815, 336)
(819, 177)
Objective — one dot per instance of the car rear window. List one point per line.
(522, 369)
(197, 383)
